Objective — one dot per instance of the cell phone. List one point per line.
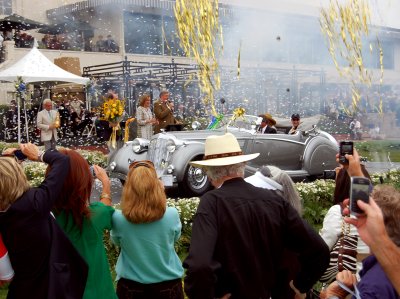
(329, 174)
(346, 147)
(20, 155)
(360, 189)
(92, 171)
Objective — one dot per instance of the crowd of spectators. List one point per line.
(229, 257)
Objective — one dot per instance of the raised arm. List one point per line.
(371, 228)
(101, 174)
(49, 190)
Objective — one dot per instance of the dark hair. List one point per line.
(295, 115)
(76, 190)
(342, 188)
(163, 92)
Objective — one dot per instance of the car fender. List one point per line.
(189, 152)
(119, 161)
(319, 155)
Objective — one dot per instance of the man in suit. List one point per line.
(164, 112)
(267, 124)
(47, 123)
(241, 231)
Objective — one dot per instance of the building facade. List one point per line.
(285, 66)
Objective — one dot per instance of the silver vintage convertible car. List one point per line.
(305, 154)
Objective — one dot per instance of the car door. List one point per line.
(281, 150)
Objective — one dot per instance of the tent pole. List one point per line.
(26, 123)
(19, 119)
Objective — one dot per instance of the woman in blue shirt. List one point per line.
(146, 230)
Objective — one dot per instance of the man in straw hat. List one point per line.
(240, 232)
(267, 124)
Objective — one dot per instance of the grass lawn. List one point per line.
(379, 150)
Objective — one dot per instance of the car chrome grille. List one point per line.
(158, 152)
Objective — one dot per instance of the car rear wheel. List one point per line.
(195, 181)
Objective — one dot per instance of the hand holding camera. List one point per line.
(346, 148)
(360, 189)
(30, 151)
(100, 174)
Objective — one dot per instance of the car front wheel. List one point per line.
(195, 181)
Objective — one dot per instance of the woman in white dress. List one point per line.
(145, 117)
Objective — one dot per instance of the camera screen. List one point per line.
(347, 148)
(358, 192)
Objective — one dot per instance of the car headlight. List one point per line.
(113, 165)
(139, 145)
(170, 169)
(171, 146)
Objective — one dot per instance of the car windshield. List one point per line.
(244, 122)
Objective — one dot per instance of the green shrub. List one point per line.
(317, 198)
(5, 145)
(94, 157)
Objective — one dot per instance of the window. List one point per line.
(5, 7)
(144, 35)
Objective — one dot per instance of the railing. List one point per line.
(84, 5)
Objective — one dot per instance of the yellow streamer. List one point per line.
(113, 139)
(199, 32)
(129, 120)
(344, 26)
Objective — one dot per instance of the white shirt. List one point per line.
(259, 180)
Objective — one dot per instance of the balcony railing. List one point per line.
(84, 5)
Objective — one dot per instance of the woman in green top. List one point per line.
(84, 222)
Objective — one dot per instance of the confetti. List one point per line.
(199, 30)
(345, 26)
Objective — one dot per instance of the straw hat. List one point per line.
(270, 119)
(223, 150)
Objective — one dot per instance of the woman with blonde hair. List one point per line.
(145, 117)
(146, 230)
(45, 262)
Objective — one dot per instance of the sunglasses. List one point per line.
(144, 163)
(295, 119)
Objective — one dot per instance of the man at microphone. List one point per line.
(164, 112)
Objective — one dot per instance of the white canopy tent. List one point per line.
(35, 67)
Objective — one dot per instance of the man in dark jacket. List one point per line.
(240, 233)
(267, 124)
(164, 112)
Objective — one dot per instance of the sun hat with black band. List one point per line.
(221, 150)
